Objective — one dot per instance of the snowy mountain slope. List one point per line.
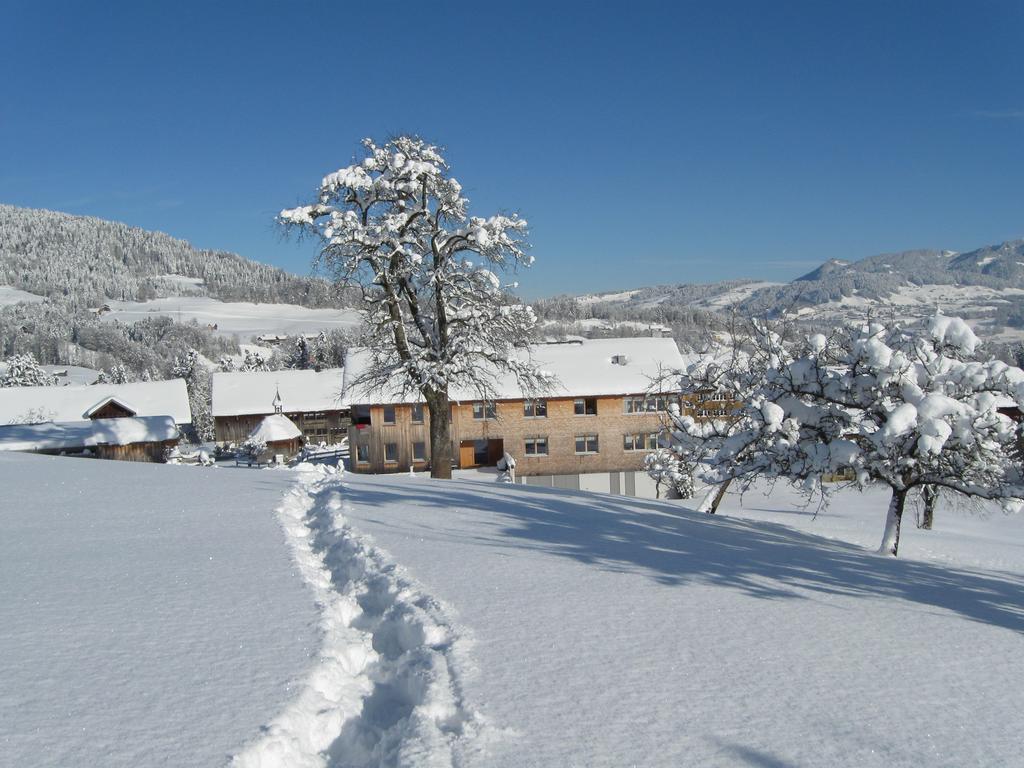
(984, 285)
(612, 631)
(149, 615)
(90, 261)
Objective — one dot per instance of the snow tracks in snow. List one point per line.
(385, 691)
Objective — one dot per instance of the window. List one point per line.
(391, 453)
(416, 413)
(536, 446)
(535, 409)
(484, 410)
(586, 443)
(362, 453)
(361, 415)
(585, 406)
(640, 442)
(419, 451)
(389, 414)
(645, 404)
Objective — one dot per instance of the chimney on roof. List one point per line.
(619, 360)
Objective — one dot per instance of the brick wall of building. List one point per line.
(560, 427)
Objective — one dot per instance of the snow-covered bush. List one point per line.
(24, 371)
(672, 471)
(900, 409)
(252, 448)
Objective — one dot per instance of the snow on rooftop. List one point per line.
(274, 428)
(253, 392)
(589, 368)
(69, 435)
(73, 402)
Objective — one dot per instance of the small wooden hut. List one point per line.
(280, 436)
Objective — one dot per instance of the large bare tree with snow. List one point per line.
(909, 411)
(396, 224)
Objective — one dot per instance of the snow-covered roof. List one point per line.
(66, 435)
(253, 392)
(274, 428)
(116, 401)
(587, 368)
(74, 402)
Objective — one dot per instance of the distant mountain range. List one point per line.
(985, 285)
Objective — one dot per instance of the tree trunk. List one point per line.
(891, 537)
(440, 435)
(719, 495)
(931, 497)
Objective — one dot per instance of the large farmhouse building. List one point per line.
(310, 399)
(131, 422)
(602, 416)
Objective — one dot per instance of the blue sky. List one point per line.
(652, 143)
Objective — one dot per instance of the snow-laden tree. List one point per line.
(24, 371)
(197, 381)
(253, 361)
(671, 470)
(904, 410)
(301, 356)
(119, 374)
(396, 224)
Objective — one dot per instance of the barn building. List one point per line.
(129, 422)
(312, 400)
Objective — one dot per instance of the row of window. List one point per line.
(419, 452)
(532, 446)
(538, 409)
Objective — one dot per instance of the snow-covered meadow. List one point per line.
(475, 624)
(149, 614)
(245, 319)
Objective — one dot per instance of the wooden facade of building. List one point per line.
(317, 426)
(311, 399)
(152, 452)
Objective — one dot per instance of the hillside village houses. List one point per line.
(131, 422)
(591, 431)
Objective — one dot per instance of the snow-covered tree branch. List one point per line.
(905, 410)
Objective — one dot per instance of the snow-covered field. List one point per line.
(474, 624)
(149, 615)
(242, 318)
(11, 295)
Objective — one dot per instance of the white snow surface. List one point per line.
(86, 434)
(611, 631)
(253, 392)
(11, 295)
(243, 318)
(386, 691)
(150, 615)
(74, 401)
(470, 624)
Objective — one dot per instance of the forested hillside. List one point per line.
(90, 260)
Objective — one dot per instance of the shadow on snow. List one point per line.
(676, 546)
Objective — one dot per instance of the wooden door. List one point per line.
(467, 454)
